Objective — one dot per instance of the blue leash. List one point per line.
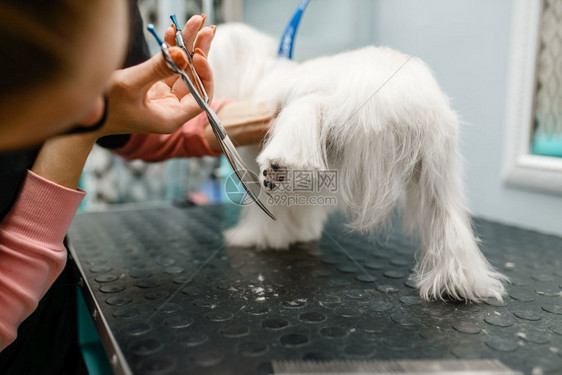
(288, 38)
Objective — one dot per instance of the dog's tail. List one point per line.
(377, 144)
(375, 155)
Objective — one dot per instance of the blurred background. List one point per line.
(474, 49)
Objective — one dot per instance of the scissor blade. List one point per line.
(237, 164)
(198, 82)
(196, 95)
(226, 144)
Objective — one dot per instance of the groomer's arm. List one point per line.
(32, 253)
(62, 159)
(246, 122)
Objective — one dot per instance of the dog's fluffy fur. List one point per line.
(379, 118)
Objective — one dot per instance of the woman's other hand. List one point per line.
(246, 122)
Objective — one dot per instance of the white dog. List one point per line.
(377, 117)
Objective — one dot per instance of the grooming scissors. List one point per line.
(232, 155)
(181, 44)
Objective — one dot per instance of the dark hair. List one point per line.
(36, 39)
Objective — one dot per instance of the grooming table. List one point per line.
(168, 297)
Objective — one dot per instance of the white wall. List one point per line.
(466, 42)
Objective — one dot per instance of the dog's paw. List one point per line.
(274, 175)
(244, 236)
(239, 237)
(278, 168)
(474, 284)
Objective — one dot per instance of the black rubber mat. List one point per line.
(178, 301)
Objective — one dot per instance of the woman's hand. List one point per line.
(146, 98)
(245, 122)
(149, 97)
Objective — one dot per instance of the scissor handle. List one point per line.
(175, 21)
(150, 27)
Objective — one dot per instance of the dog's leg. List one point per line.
(295, 140)
(451, 264)
(294, 224)
(292, 150)
(255, 229)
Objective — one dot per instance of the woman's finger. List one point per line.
(204, 71)
(170, 39)
(178, 87)
(192, 27)
(139, 78)
(204, 39)
(170, 35)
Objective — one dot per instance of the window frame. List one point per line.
(521, 168)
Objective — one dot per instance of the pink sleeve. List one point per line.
(32, 254)
(187, 141)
